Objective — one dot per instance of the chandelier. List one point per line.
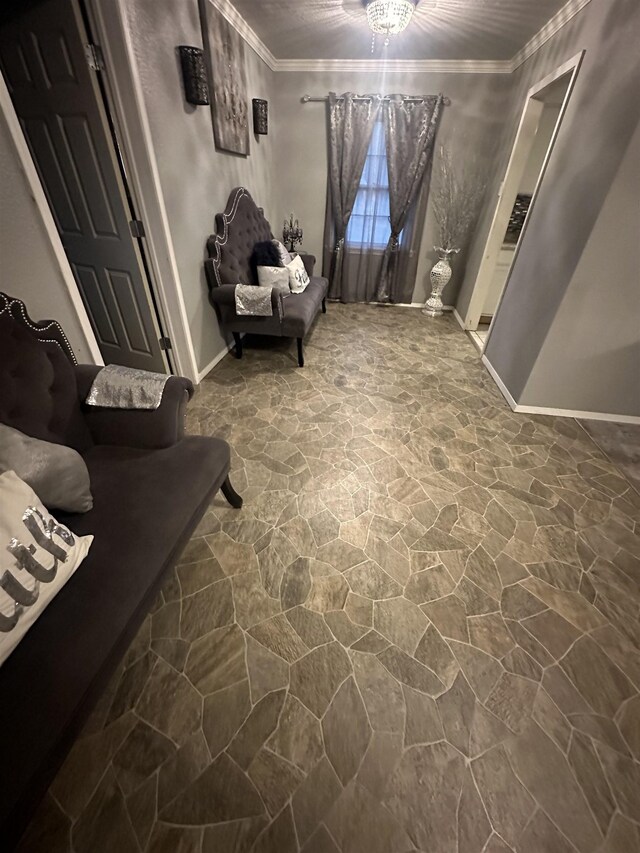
(389, 17)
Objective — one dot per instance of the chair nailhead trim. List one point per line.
(42, 327)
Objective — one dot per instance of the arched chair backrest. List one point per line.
(38, 389)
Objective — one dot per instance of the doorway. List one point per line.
(53, 74)
(544, 109)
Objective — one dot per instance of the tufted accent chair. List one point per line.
(238, 229)
(38, 392)
(151, 485)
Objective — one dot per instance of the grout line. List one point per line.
(609, 459)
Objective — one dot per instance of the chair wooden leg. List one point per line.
(300, 355)
(324, 305)
(231, 495)
(238, 342)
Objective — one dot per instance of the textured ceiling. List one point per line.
(440, 29)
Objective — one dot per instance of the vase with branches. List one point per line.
(456, 198)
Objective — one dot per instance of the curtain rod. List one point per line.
(307, 98)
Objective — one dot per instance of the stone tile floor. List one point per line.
(419, 634)
(621, 443)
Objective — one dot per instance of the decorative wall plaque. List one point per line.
(224, 51)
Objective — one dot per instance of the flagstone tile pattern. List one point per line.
(420, 633)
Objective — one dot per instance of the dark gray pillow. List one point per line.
(57, 474)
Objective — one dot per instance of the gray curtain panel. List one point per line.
(351, 122)
(410, 129)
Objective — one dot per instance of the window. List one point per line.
(369, 226)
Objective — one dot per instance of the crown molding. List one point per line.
(229, 11)
(445, 66)
(568, 11)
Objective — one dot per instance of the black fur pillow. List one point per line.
(265, 254)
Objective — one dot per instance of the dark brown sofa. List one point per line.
(238, 229)
(151, 485)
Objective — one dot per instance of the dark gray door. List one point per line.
(58, 100)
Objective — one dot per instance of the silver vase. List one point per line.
(440, 276)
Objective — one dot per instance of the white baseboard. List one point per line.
(216, 360)
(574, 413)
(476, 341)
(558, 413)
(459, 319)
(503, 388)
(395, 304)
(421, 305)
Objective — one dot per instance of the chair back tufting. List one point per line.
(238, 229)
(38, 389)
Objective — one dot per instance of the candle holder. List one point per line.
(260, 116)
(292, 233)
(194, 75)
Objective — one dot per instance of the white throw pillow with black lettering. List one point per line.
(37, 558)
(298, 276)
(277, 277)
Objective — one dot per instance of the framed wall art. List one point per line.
(224, 51)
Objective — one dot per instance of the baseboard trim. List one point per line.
(216, 360)
(558, 413)
(459, 319)
(418, 305)
(394, 304)
(476, 341)
(448, 308)
(581, 416)
(503, 388)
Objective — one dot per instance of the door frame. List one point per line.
(42, 205)
(125, 94)
(521, 148)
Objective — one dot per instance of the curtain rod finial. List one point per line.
(305, 99)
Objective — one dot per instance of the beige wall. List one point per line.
(566, 332)
(471, 124)
(28, 266)
(195, 178)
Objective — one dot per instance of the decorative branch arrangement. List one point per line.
(456, 198)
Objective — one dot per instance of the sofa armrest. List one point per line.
(144, 428)
(225, 295)
(309, 262)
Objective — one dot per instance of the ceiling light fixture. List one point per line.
(389, 17)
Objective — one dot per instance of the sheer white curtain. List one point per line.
(369, 228)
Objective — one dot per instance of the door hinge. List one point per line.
(165, 343)
(137, 228)
(95, 59)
